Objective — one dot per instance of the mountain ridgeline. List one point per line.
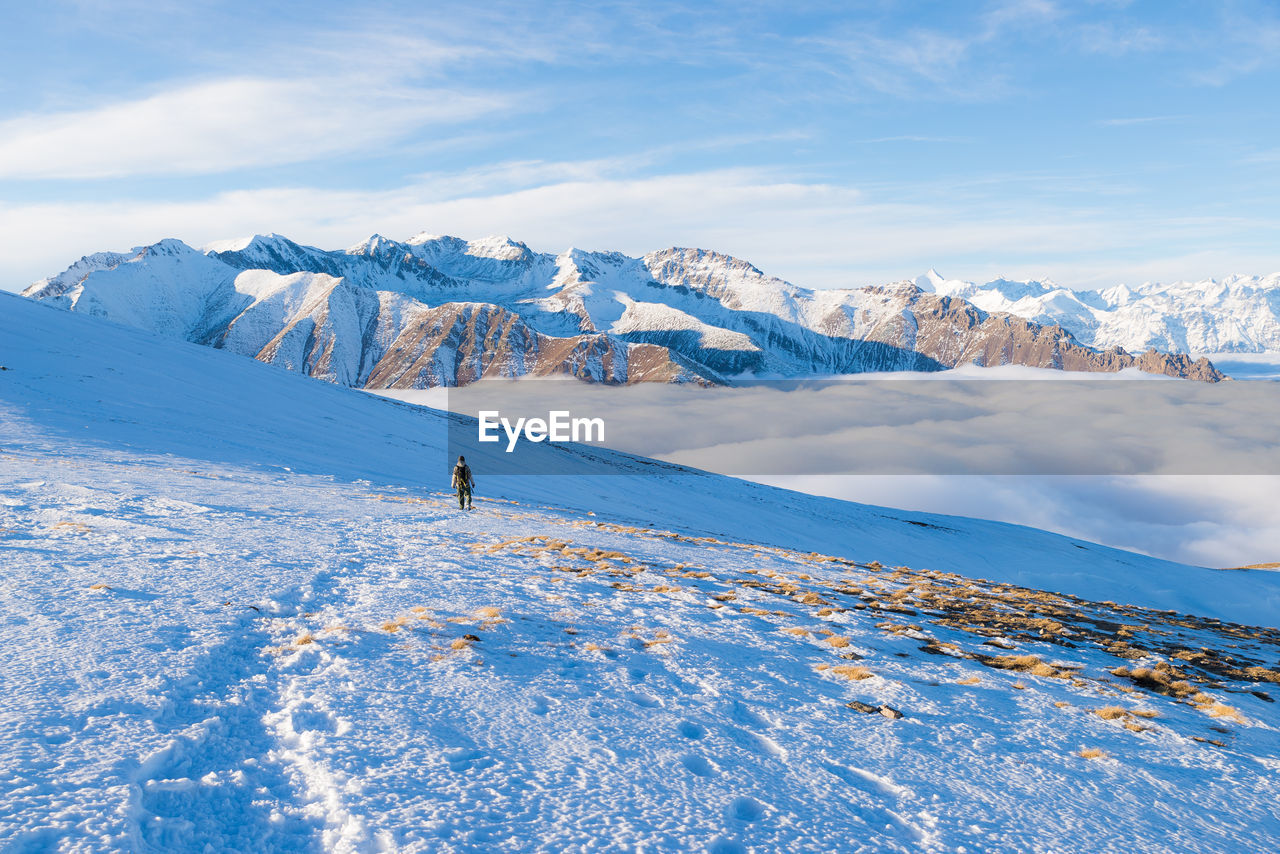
(1237, 314)
(441, 311)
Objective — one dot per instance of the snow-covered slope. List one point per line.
(1238, 314)
(444, 311)
(239, 613)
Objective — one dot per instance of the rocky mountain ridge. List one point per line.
(435, 311)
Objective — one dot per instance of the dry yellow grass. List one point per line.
(970, 680)
(949, 648)
(1219, 710)
(390, 626)
(1262, 674)
(1028, 664)
(1162, 678)
(1093, 753)
(460, 643)
(837, 641)
(797, 631)
(99, 587)
(1062, 704)
(488, 613)
(1111, 713)
(853, 674)
(304, 639)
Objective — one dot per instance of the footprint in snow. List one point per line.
(467, 759)
(699, 765)
(314, 719)
(644, 700)
(691, 730)
(744, 715)
(745, 809)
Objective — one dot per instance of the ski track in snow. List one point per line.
(281, 662)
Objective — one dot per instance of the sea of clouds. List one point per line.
(1182, 470)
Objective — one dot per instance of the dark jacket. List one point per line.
(462, 476)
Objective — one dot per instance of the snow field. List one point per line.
(281, 662)
(237, 617)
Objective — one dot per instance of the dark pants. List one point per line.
(464, 496)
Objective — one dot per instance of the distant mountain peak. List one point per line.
(499, 248)
(930, 281)
(167, 246)
(374, 244)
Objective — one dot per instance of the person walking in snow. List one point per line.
(463, 482)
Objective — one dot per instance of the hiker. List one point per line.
(463, 482)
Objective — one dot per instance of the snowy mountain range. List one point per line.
(1238, 314)
(241, 613)
(435, 311)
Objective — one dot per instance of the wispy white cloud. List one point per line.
(1115, 39)
(924, 63)
(912, 138)
(1247, 43)
(815, 234)
(1140, 120)
(226, 124)
(931, 61)
(1017, 13)
(1269, 156)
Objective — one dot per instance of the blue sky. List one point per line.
(841, 143)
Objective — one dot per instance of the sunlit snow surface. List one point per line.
(236, 610)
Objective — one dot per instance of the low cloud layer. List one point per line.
(923, 427)
(1180, 470)
(1215, 521)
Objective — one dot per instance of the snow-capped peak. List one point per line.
(235, 244)
(374, 244)
(499, 248)
(930, 281)
(167, 246)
